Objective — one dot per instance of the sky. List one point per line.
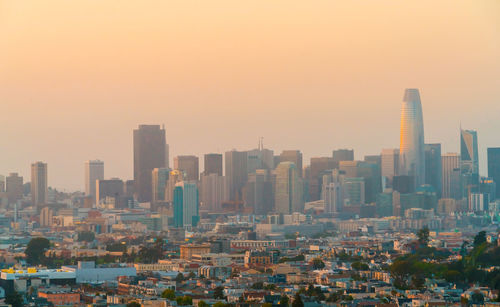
(76, 77)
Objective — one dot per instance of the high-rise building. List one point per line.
(94, 170)
(294, 156)
(159, 182)
(389, 164)
(2, 183)
(260, 158)
(213, 192)
(411, 150)
(174, 177)
(369, 171)
(258, 192)
(213, 164)
(46, 215)
(343, 155)
(319, 167)
(186, 205)
(433, 171)
(39, 184)
(14, 187)
(110, 188)
(189, 165)
(354, 190)
(469, 161)
(236, 173)
(332, 192)
(149, 153)
(494, 167)
(451, 187)
(289, 189)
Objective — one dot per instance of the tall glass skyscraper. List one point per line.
(469, 162)
(412, 150)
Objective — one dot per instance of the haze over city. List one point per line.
(76, 77)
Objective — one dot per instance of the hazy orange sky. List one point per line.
(76, 77)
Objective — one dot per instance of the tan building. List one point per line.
(188, 164)
(46, 216)
(14, 187)
(39, 187)
(187, 251)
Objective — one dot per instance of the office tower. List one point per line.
(384, 204)
(14, 187)
(411, 150)
(213, 164)
(478, 202)
(185, 205)
(46, 215)
(258, 192)
(174, 177)
(94, 170)
(110, 188)
(488, 186)
(469, 164)
(2, 184)
(389, 164)
(494, 167)
(189, 165)
(451, 187)
(369, 171)
(433, 171)
(213, 192)
(403, 184)
(149, 153)
(354, 190)
(332, 191)
(349, 168)
(294, 156)
(318, 167)
(159, 182)
(343, 155)
(289, 189)
(39, 188)
(260, 158)
(236, 173)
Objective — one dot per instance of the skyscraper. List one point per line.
(469, 161)
(149, 153)
(236, 173)
(343, 155)
(39, 184)
(493, 167)
(159, 182)
(389, 164)
(289, 189)
(186, 205)
(319, 166)
(258, 192)
(213, 164)
(451, 187)
(189, 165)
(110, 188)
(433, 171)
(411, 149)
(213, 192)
(14, 187)
(94, 170)
(294, 156)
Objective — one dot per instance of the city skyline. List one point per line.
(301, 80)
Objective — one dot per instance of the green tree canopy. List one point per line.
(35, 251)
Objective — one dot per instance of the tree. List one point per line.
(179, 277)
(133, 304)
(202, 304)
(359, 266)
(480, 238)
(219, 293)
(35, 251)
(423, 236)
(184, 300)
(297, 301)
(318, 264)
(284, 300)
(15, 299)
(169, 294)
